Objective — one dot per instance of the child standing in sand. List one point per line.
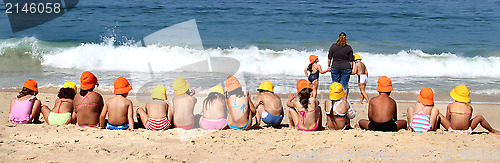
(313, 70)
(157, 112)
(382, 110)
(423, 116)
(360, 70)
(26, 107)
(183, 105)
(240, 108)
(269, 108)
(305, 114)
(459, 113)
(214, 110)
(119, 108)
(64, 105)
(88, 104)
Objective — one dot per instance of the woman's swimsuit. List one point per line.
(90, 103)
(420, 122)
(21, 111)
(347, 126)
(303, 114)
(242, 107)
(313, 77)
(57, 118)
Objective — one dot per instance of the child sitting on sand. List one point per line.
(269, 108)
(157, 112)
(312, 71)
(459, 113)
(360, 70)
(214, 110)
(423, 116)
(382, 110)
(338, 111)
(119, 108)
(26, 107)
(240, 108)
(183, 105)
(305, 114)
(88, 104)
(64, 105)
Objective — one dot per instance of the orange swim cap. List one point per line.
(302, 84)
(426, 96)
(384, 84)
(312, 58)
(121, 86)
(87, 80)
(31, 84)
(232, 83)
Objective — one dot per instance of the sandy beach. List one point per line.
(45, 143)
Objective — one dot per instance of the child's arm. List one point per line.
(448, 114)
(12, 104)
(289, 102)
(251, 106)
(170, 113)
(102, 117)
(305, 72)
(366, 71)
(130, 116)
(321, 70)
(355, 70)
(434, 115)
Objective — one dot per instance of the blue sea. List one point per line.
(437, 44)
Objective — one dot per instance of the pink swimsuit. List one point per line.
(21, 111)
(213, 124)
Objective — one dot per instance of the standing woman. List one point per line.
(340, 60)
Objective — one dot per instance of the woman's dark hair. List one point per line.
(84, 92)
(67, 93)
(26, 91)
(211, 97)
(304, 96)
(238, 92)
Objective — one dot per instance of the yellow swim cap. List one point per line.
(267, 86)
(159, 92)
(336, 91)
(70, 85)
(217, 89)
(460, 94)
(180, 86)
(357, 57)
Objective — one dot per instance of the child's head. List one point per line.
(460, 94)
(304, 90)
(180, 86)
(357, 57)
(336, 91)
(88, 81)
(122, 87)
(30, 87)
(266, 86)
(426, 97)
(68, 91)
(159, 92)
(384, 85)
(215, 92)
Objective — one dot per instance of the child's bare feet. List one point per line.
(496, 132)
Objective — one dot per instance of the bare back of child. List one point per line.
(183, 108)
(120, 113)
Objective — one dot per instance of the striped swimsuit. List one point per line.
(159, 124)
(421, 122)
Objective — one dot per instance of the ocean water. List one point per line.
(437, 44)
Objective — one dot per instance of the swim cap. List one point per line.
(159, 92)
(31, 84)
(70, 85)
(312, 58)
(180, 86)
(217, 89)
(232, 83)
(336, 91)
(426, 96)
(266, 86)
(357, 57)
(87, 80)
(460, 94)
(121, 86)
(384, 84)
(302, 84)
